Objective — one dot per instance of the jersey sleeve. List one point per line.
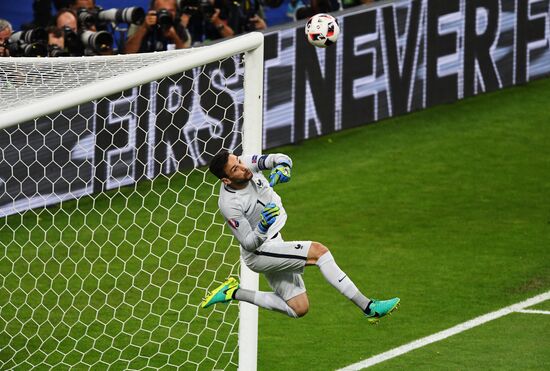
(250, 238)
(258, 163)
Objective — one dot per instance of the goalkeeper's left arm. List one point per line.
(279, 164)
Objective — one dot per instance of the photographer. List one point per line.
(207, 19)
(162, 30)
(245, 15)
(66, 18)
(5, 33)
(80, 34)
(87, 14)
(28, 43)
(67, 21)
(56, 42)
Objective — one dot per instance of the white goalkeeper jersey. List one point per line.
(241, 208)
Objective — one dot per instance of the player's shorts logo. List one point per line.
(299, 246)
(233, 223)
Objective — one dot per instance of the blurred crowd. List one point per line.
(81, 27)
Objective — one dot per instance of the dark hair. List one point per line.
(56, 31)
(218, 163)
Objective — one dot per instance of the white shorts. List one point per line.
(286, 284)
(282, 263)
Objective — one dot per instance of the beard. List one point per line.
(240, 181)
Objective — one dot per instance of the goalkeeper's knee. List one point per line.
(316, 250)
(297, 311)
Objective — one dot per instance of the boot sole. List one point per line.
(374, 321)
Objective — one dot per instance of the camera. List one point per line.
(29, 36)
(29, 43)
(56, 51)
(89, 18)
(72, 42)
(94, 41)
(191, 7)
(28, 50)
(244, 17)
(86, 18)
(99, 42)
(164, 19)
(134, 15)
(207, 8)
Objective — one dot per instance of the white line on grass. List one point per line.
(446, 333)
(534, 311)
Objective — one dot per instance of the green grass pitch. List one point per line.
(447, 208)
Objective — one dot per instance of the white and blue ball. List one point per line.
(322, 30)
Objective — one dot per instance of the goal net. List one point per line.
(110, 234)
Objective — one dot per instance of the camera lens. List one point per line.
(97, 41)
(86, 18)
(33, 50)
(164, 19)
(134, 15)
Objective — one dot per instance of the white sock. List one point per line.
(337, 278)
(267, 300)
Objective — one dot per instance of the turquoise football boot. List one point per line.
(379, 308)
(222, 294)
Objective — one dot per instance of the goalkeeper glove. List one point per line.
(269, 214)
(280, 174)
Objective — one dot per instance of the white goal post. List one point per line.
(22, 105)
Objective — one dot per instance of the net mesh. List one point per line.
(110, 231)
(23, 80)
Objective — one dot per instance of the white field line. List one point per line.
(534, 311)
(446, 333)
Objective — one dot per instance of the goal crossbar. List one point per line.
(73, 97)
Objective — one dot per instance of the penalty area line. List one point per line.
(446, 333)
(534, 311)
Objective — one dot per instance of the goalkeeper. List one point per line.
(256, 215)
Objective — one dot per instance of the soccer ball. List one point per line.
(322, 30)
